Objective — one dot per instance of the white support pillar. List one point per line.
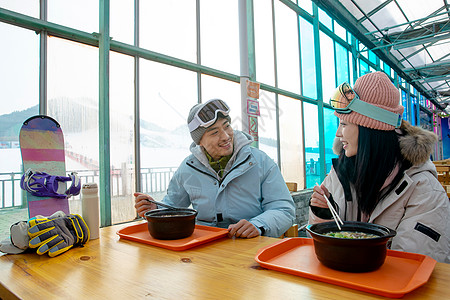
(244, 70)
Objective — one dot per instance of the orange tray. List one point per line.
(202, 234)
(401, 273)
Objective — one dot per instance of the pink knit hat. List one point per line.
(377, 89)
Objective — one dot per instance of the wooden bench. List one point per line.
(443, 170)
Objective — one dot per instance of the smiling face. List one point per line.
(218, 139)
(348, 135)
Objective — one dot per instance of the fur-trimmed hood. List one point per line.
(416, 143)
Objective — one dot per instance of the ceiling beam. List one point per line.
(444, 63)
(432, 78)
(430, 33)
(374, 11)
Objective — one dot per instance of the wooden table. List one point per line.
(113, 268)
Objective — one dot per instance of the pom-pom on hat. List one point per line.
(376, 89)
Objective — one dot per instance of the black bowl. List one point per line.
(169, 224)
(351, 255)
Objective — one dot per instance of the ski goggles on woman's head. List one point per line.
(207, 114)
(345, 100)
(342, 97)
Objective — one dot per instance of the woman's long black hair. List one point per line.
(377, 156)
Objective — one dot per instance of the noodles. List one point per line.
(351, 235)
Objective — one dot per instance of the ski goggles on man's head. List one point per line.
(207, 114)
(345, 100)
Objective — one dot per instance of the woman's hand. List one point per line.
(317, 198)
(142, 204)
(243, 229)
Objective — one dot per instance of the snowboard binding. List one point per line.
(44, 185)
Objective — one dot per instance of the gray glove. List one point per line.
(19, 239)
(56, 236)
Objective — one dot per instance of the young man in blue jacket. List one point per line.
(230, 183)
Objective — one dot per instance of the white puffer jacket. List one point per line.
(417, 208)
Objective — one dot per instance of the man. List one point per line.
(231, 184)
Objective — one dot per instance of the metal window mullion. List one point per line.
(244, 63)
(137, 121)
(320, 108)
(418, 109)
(43, 60)
(409, 103)
(199, 50)
(277, 108)
(104, 126)
(302, 104)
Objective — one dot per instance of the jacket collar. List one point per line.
(240, 140)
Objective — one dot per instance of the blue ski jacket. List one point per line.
(251, 188)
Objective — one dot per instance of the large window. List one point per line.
(75, 106)
(267, 124)
(122, 137)
(328, 66)
(264, 56)
(166, 95)
(288, 68)
(122, 21)
(291, 137)
(169, 27)
(342, 67)
(19, 86)
(309, 84)
(26, 7)
(219, 35)
(19, 75)
(82, 14)
(331, 123)
(312, 158)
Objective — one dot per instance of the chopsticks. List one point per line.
(336, 217)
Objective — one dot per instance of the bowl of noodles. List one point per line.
(171, 224)
(356, 247)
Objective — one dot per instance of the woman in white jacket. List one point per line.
(383, 174)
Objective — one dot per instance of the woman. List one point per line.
(383, 174)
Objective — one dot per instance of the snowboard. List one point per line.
(42, 147)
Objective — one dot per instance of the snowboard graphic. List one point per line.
(42, 147)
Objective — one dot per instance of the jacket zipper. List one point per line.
(238, 165)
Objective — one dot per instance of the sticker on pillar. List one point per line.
(252, 89)
(253, 127)
(253, 107)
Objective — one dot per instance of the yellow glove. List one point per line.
(56, 236)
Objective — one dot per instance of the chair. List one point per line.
(292, 186)
(293, 230)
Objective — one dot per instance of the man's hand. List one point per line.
(142, 204)
(243, 229)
